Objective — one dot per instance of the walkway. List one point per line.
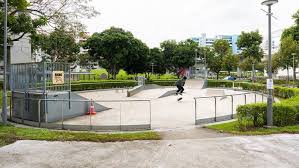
(234, 152)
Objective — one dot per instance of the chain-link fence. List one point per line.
(111, 115)
(221, 108)
(38, 77)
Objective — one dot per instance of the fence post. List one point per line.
(195, 111)
(62, 117)
(215, 108)
(245, 99)
(38, 110)
(120, 127)
(232, 106)
(10, 108)
(90, 126)
(150, 105)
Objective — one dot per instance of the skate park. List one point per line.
(196, 108)
(143, 107)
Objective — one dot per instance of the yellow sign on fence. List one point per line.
(58, 77)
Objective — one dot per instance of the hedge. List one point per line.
(279, 91)
(285, 112)
(106, 84)
(102, 85)
(162, 82)
(255, 115)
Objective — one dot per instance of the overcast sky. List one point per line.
(154, 21)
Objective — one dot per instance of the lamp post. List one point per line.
(294, 69)
(4, 99)
(269, 3)
(206, 70)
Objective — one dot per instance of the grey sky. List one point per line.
(154, 21)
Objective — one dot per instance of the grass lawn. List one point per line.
(232, 128)
(10, 134)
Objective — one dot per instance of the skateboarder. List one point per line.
(180, 85)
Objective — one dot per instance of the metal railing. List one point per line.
(220, 108)
(111, 115)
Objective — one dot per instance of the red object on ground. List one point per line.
(91, 110)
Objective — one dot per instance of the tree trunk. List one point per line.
(217, 75)
(288, 77)
(253, 73)
(294, 74)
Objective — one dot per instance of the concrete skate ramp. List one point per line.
(98, 107)
(195, 84)
(138, 89)
(168, 93)
(190, 84)
(71, 109)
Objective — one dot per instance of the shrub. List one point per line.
(153, 77)
(102, 85)
(254, 115)
(168, 76)
(220, 83)
(99, 72)
(162, 82)
(122, 75)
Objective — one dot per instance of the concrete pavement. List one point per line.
(233, 152)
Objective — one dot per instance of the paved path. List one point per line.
(279, 151)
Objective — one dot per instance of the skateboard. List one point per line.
(180, 97)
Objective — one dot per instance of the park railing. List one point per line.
(220, 108)
(66, 114)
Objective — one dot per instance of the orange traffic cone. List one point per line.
(91, 110)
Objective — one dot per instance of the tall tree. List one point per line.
(230, 62)
(251, 51)
(136, 61)
(293, 30)
(156, 60)
(168, 48)
(289, 46)
(61, 46)
(221, 47)
(184, 56)
(215, 64)
(117, 49)
(20, 22)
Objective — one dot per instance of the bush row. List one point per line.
(285, 112)
(102, 85)
(106, 84)
(279, 91)
(162, 82)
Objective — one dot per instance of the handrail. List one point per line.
(247, 92)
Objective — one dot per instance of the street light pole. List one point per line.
(269, 3)
(4, 100)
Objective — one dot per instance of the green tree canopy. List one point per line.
(230, 62)
(116, 48)
(168, 48)
(184, 56)
(221, 47)
(288, 46)
(251, 51)
(61, 46)
(156, 58)
(136, 61)
(215, 64)
(20, 22)
(292, 31)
